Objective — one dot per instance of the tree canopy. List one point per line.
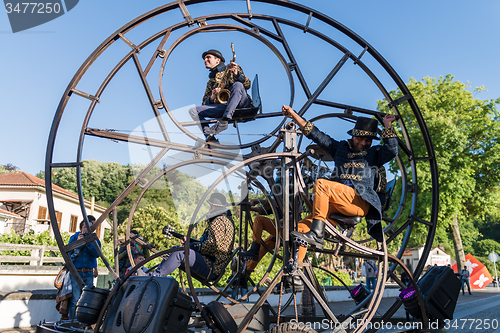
(9, 167)
(465, 132)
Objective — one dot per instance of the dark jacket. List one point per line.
(359, 168)
(214, 77)
(217, 242)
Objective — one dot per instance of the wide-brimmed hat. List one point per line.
(365, 128)
(218, 200)
(215, 53)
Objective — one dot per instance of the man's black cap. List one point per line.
(215, 53)
(365, 128)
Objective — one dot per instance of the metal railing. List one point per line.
(37, 254)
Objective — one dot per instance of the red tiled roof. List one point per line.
(6, 212)
(408, 252)
(22, 178)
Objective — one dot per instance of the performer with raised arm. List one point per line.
(350, 191)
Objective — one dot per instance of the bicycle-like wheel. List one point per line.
(115, 97)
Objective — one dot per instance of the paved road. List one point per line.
(473, 313)
(479, 312)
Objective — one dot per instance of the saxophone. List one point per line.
(223, 95)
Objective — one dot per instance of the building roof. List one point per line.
(6, 213)
(408, 252)
(23, 179)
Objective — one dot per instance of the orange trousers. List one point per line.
(329, 197)
(262, 223)
(332, 197)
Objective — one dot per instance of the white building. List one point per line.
(9, 220)
(23, 196)
(412, 256)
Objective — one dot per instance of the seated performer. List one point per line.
(261, 223)
(210, 255)
(350, 191)
(237, 83)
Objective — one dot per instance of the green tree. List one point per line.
(9, 167)
(486, 246)
(149, 222)
(489, 227)
(103, 181)
(106, 181)
(465, 132)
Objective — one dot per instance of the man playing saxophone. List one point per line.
(220, 76)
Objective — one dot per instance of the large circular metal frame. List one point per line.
(248, 24)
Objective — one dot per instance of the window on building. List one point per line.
(98, 230)
(42, 214)
(59, 219)
(73, 223)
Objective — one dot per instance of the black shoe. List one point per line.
(315, 236)
(294, 282)
(252, 253)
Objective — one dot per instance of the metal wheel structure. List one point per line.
(163, 132)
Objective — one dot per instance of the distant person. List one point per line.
(405, 278)
(85, 261)
(371, 271)
(464, 277)
(138, 258)
(135, 247)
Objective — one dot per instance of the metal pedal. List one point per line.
(300, 242)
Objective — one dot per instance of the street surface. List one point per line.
(479, 312)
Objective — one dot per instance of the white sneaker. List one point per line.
(220, 126)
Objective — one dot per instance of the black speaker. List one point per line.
(359, 293)
(146, 304)
(440, 288)
(89, 305)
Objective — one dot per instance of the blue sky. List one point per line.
(418, 38)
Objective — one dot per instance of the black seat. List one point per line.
(345, 221)
(243, 115)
